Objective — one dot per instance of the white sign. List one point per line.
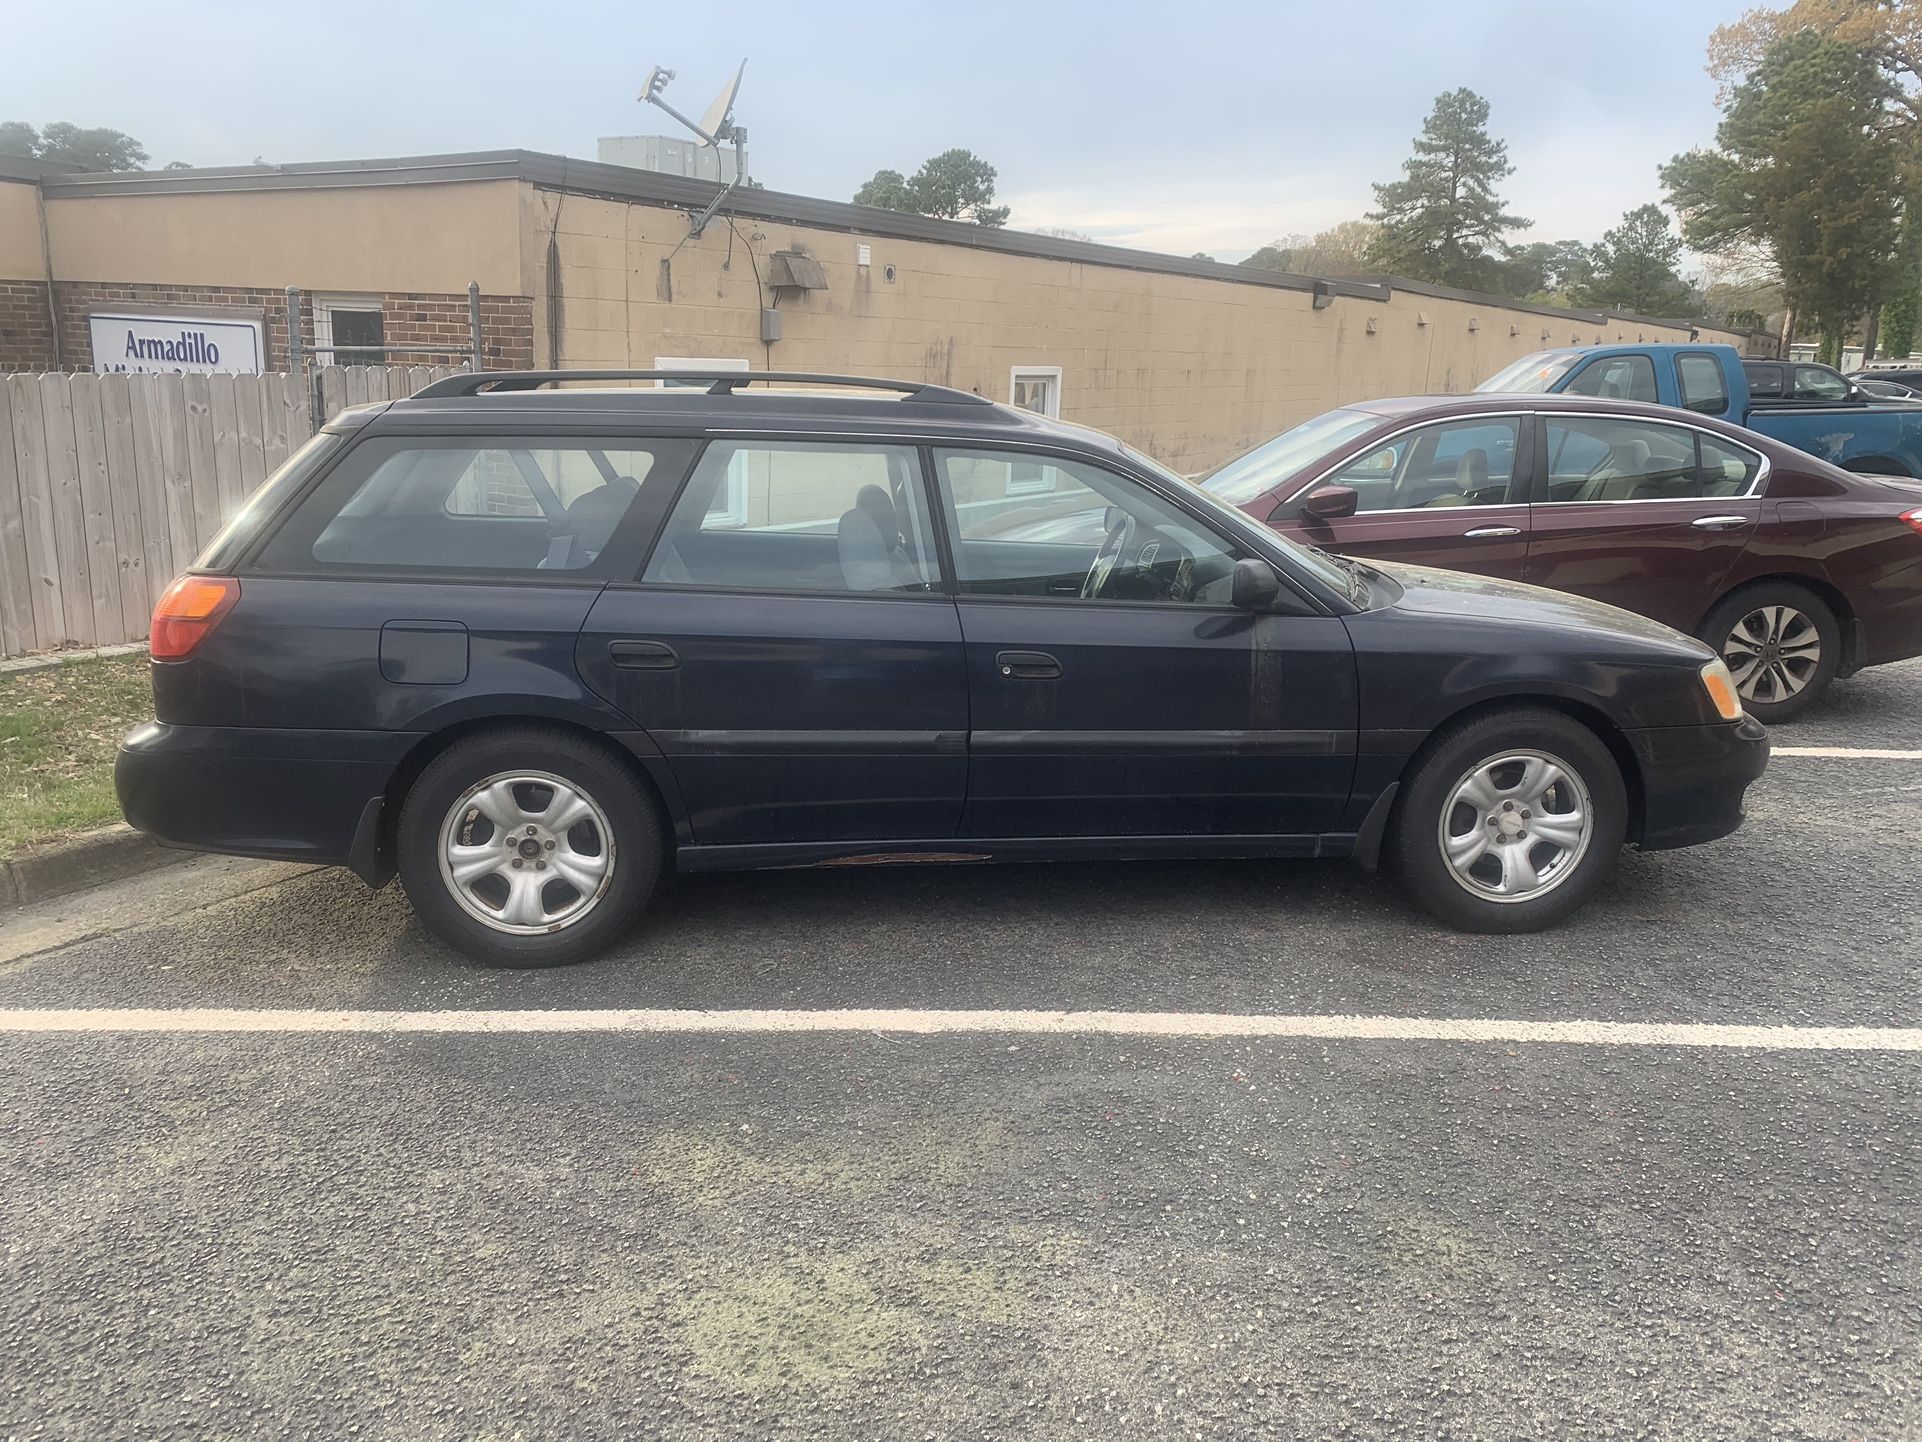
(165, 343)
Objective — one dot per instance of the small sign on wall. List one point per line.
(166, 343)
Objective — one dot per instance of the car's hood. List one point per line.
(1456, 593)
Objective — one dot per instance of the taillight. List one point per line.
(1913, 520)
(187, 613)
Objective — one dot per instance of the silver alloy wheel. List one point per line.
(526, 852)
(1773, 653)
(1516, 826)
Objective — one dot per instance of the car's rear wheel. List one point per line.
(529, 846)
(1509, 821)
(1782, 644)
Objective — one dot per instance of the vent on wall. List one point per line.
(791, 270)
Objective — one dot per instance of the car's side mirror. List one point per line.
(1331, 503)
(1256, 586)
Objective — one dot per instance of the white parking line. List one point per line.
(1866, 753)
(1052, 1023)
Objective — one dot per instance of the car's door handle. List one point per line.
(1027, 665)
(1720, 523)
(643, 655)
(1482, 533)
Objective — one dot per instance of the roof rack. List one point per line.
(723, 383)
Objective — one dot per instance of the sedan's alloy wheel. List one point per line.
(1773, 653)
(1516, 826)
(527, 852)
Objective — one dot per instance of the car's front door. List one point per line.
(1113, 690)
(1445, 494)
(786, 650)
(1646, 516)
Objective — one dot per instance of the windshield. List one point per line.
(1329, 570)
(1273, 462)
(1533, 374)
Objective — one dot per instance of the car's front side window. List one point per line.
(1455, 463)
(1819, 383)
(799, 516)
(1621, 378)
(1086, 534)
(480, 503)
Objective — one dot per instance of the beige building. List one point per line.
(580, 264)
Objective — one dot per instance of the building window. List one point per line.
(728, 507)
(1037, 389)
(347, 321)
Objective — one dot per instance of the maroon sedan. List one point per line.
(1794, 571)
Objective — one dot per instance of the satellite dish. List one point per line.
(717, 120)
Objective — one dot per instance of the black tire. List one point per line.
(1425, 805)
(1776, 599)
(634, 854)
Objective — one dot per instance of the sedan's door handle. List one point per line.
(1027, 665)
(643, 655)
(1720, 523)
(1484, 532)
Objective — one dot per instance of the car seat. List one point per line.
(868, 539)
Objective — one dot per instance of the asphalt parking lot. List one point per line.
(864, 1232)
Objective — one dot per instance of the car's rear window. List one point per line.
(476, 503)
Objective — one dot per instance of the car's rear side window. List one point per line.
(799, 516)
(450, 504)
(1703, 387)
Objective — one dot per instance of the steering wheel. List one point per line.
(1113, 546)
(1139, 563)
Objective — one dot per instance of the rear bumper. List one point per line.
(1693, 778)
(290, 795)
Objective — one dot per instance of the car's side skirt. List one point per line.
(1023, 848)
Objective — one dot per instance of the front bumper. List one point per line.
(1693, 778)
(291, 795)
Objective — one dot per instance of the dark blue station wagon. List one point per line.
(525, 647)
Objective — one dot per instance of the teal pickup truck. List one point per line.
(1821, 412)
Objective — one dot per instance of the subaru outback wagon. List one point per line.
(529, 647)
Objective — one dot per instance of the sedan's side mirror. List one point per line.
(1331, 503)
(1255, 587)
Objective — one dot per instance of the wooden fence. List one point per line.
(110, 485)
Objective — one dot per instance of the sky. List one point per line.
(1176, 127)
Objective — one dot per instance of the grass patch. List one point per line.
(58, 731)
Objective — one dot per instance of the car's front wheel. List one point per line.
(1509, 821)
(528, 846)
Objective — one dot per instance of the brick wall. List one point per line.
(507, 328)
(26, 329)
(507, 322)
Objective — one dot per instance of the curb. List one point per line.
(61, 658)
(92, 858)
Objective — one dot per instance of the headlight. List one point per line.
(1721, 690)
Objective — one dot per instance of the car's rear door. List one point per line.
(1450, 493)
(786, 651)
(1641, 514)
(1130, 699)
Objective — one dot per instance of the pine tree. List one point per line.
(1634, 267)
(1443, 221)
(1807, 169)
